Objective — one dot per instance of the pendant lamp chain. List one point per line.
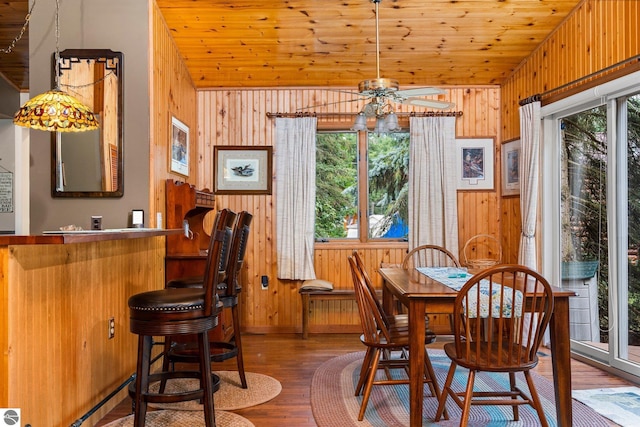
(55, 110)
(17, 38)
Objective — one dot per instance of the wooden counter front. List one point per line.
(57, 294)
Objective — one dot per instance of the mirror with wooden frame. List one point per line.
(90, 163)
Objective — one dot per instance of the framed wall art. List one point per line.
(179, 147)
(511, 168)
(242, 169)
(474, 163)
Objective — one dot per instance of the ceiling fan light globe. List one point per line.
(380, 125)
(391, 122)
(360, 122)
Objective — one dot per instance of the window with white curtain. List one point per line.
(361, 185)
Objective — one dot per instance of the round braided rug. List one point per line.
(231, 396)
(333, 402)
(184, 419)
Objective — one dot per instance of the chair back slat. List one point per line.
(367, 280)
(500, 316)
(429, 256)
(218, 255)
(231, 285)
(374, 327)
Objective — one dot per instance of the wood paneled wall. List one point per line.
(238, 117)
(172, 94)
(55, 302)
(598, 34)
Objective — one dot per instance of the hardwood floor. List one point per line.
(293, 361)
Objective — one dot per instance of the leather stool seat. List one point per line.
(185, 303)
(188, 310)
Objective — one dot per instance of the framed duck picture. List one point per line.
(242, 169)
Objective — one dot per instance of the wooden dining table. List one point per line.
(421, 294)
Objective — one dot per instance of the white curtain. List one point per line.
(295, 170)
(529, 174)
(433, 204)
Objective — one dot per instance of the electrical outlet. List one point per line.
(112, 327)
(96, 222)
(264, 280)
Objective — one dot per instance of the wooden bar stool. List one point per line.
(171, 311)
(227, 292)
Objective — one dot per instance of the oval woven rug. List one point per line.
(231, 396)
(333, 401)
(184, 419)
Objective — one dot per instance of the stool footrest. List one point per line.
(174, 397)
(188, 352)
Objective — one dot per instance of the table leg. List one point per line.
(416, 360)
(305, 315)
(561, 360)
(388, 302)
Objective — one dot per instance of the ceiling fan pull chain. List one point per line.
(381, 93)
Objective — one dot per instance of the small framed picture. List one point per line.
(511, 168)
(137, 218)
(179, 147)
(475, 158)
(242, 169)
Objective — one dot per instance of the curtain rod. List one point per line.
(529, 100)
(400, 114)
(634, 60)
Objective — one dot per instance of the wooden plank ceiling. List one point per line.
(264, 43)
(14, 66)
(316, 43)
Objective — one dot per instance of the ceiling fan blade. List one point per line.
(420, 91)
(431, 103)
(331, 103)
(348, 91)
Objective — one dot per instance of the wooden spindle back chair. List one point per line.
(500, 316)
(429, 256)
(381, 340)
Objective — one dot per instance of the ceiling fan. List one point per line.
(381, 90)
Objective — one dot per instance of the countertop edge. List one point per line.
(98, 236)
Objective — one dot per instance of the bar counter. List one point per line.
(84, 236)
(57, 294)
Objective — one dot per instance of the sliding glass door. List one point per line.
(591, 198)
(629, 312)
(584, 238)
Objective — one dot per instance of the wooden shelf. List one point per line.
(185, 256)
(186, 203)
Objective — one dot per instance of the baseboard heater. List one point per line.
(79, 421)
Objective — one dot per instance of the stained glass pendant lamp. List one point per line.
(56, 110)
